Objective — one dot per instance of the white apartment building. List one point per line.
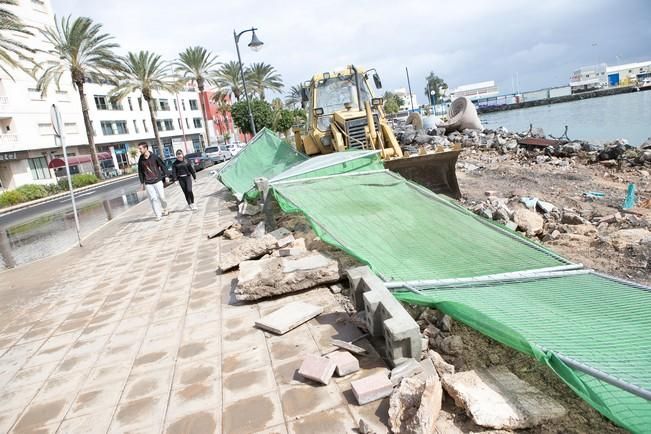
(27, 144)
(407, 99)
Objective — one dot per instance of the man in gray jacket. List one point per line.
(151, 171)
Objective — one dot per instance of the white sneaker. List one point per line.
(165, 212)
(157, 218)
(193, 207)
(189, 208)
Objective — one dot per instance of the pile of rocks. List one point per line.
(610, 154)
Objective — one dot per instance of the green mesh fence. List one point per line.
(264, 156)
(402, 234)
(333, 164)
(602, 323)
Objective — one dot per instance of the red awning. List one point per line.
(55, 163)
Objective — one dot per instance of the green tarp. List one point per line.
(600, 322)
(264, 156)
(404, 234)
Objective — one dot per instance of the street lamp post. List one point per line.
(255, 45)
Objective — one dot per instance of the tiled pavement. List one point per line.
(135, 333)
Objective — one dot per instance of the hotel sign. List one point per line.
(6, 156)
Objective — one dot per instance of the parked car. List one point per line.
(218, 153)
(200, 160)
(234, 149)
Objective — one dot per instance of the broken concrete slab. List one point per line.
(284, 241)
(246, 208)
(280, 275)
(233, 234)
(288, 317)
(251, 249)
(348, 346)
(415, 406)
(319, 369)
(346, 363)
(406, 369)
(498, 399)
(442, 367)
(220, 230)
(371, 388)
(528, 221)
(295, 248)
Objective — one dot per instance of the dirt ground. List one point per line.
(563, 182)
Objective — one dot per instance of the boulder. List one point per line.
(415, 405)
(571, 217)
(280, 275)
(528, 221)
(570, 149)
(625, 238)
(452, 345)
(545, 207)
(496, 398)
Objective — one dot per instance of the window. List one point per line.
(187, 124)
(197, 122)
(71, 128)
(165, 124)
(63, 96)
(144, 124)
(111, 128)
(100, 102)
(115, 105)
(194, 105)
(163, 105)
(34, 94)
(175, 106)
(135, 126)
(180, 124)
(130, 105)
(38, 167)
(183, 104)
(140, 104)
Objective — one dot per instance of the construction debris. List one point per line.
(221, 230)
(496, 398)
(295, 248)
(280, 275)
(316, 368)
(346, 363)
(442, 367)
(348, 346)
(406, 369)
(371, 388)
(288, 317)
(415, 406)
(252, 248)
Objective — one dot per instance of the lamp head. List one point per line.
(255, 44)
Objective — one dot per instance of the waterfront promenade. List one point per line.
(136, 333)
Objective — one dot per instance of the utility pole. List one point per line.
(411, 98)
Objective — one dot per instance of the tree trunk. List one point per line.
(89, 129)
(205, 118)
(154, 127)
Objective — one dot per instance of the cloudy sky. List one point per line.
(463, 41)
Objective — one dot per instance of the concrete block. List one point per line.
(284, 241)
(496, 398)
(295, 248)
(354, 278)
(319, 369)
(346, 362)
(406, 369)
(252, 248)
(288, 317)
(371, 388)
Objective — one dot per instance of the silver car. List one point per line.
(218, 153)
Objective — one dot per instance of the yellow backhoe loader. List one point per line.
(343, 114)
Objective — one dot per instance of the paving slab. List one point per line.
(288, 317)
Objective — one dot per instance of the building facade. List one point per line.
(27, 142)
(601, 75)
(475, 91)
(407, 99)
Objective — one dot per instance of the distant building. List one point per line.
(404, 94)
(601, 75)
(475, 91)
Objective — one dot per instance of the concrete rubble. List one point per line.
(415, 405)
(252, 248)
(345, 362)
(316, 368)
(371, 388)
(496, 398)
(271, 276)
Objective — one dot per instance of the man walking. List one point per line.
(151, 171)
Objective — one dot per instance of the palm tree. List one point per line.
(148, 73)
(11, 23)
(221, 100)
(294, 97)
(199, 65)
(229, 77)
(80, 48)
(263, 76)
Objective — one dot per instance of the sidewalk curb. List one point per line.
(57, 196)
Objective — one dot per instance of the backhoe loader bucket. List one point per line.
(434, 171)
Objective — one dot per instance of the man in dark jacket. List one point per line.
(151, 171)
